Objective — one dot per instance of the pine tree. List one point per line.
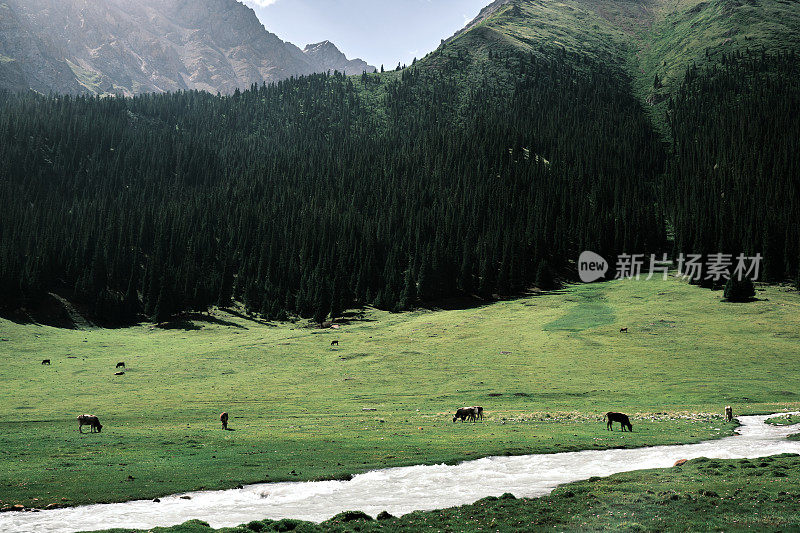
(166, 305)
(737, 290)
(544, 276)
(656, 82)
(797, 278)
(322, 304)
(337, 300)
(131, 305)
(409, 294)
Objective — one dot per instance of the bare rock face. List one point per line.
(131, 47)
(27, 60)
(327, 55)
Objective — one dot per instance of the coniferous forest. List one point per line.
(317, 194)
(734, 183)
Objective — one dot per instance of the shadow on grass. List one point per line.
(188, 322)
(352, 317)
(461, 303)
(237, 314)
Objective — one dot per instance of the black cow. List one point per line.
(465, 413)
(46, 362)
(224, 419)
(334, 343)
(618, 417)
(121, 364)
(89, 420)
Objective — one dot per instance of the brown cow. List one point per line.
(728, 413)
(224, 419)
(89, 420)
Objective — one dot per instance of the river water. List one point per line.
(401, 490)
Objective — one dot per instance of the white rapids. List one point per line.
(401, 490)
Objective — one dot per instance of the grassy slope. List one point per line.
(644, 38)
(683, 30)
(702, 495)
(545, 368)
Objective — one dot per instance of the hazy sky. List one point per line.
(378, 31)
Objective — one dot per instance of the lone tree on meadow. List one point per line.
(737, 290)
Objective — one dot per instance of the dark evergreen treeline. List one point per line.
(733, 185)
(324, 192)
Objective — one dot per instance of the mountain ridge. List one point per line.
(326, 53)
(78, 46)
(645, 39)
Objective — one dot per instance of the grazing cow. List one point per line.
(618, 417)
(89, 420)
(46, 362)
(121, 364)
(478, 411)
(120, 373)
(728, 414)
(623, 330)
(334, 343)
(224, 419)
(465, 413)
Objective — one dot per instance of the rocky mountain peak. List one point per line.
(326, 53)
(124, 47)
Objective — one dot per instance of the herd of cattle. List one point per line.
(473, 413)
(469, 413)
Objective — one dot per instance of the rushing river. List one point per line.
(401, 490)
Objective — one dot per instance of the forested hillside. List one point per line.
(486, 167)
(734, 181)
(719, 81)
(302, 198)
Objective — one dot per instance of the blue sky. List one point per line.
(378, 31)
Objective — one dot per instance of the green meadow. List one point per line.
(545, 368)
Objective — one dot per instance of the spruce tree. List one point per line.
(409, 294)
(544, 276)
(737, 290)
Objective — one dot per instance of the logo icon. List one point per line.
(591, 266)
